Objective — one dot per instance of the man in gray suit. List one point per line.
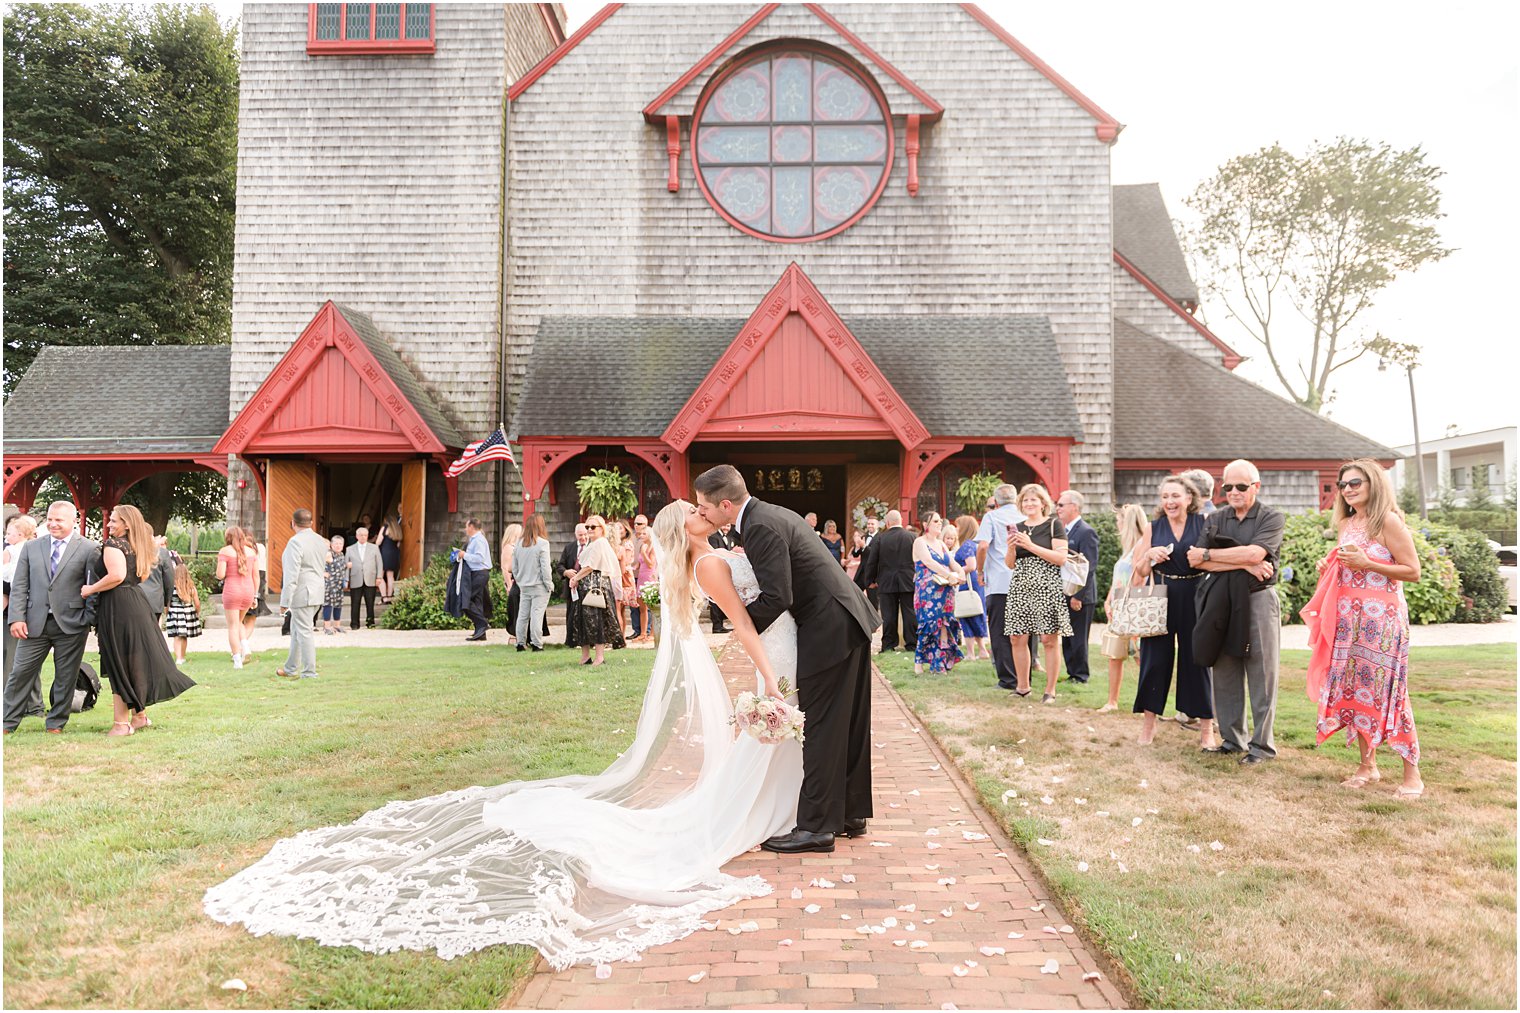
(305, 565)
(363, 577)
(159, 587)
(48, 614)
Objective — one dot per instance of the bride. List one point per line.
(588, 869)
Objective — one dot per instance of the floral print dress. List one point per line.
(1367, 688)
(939, 633)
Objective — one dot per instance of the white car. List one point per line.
(1507, 571)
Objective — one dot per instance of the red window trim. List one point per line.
(342, 46)
(743, 60)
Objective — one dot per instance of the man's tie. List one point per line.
(57, 553)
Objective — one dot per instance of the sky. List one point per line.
(1198, 83)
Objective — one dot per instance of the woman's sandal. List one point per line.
(1408, 794)
(1360, 780)
(120, 724)
(147, 722)
(1022, 692)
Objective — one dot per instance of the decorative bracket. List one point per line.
(541, 461)
(1049, 457)
(917, 464)
(673, 149)
(913, 147)
(671, 464)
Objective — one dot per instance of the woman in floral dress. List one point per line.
(939, 634)
(1359, 628)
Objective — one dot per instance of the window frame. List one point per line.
(343, 46)
(767, 51)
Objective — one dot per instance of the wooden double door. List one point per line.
(295, 483)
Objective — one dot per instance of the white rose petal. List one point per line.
(913, 792)
(1067, 929)
(1153, 812)
(933, 868)
(947, 881)
(947, 912)
(890, 922)
(909, 927)
(1015, 935)
(1046, 800)
(785, 942)
(1136, 821)
(935, 767)
(993, 951)
(1049, 930)
(1195, 849)
(1123, 867)
(1144, 783)
(749, 927)
(848, 877)
(1215, 846)
(1018, 761)
(1102, 812)
(603, 972)
(1091, 976)
(1082, 866)
(234, 985)
(1051, 966)
(899, 942)
(932, 846)
(880, 844)
(894, 805)
(1176, 958)
(1079, 801)
(971, 963)
(697, 977)
(796, 893)
(822, 884)
(992, 749)
(734, 931)
(972, 905)
(1000, 854)
(910, 908)
(960, 972)
(971, 835)
(1037, 908)
(1056, 780)
(844, 918)
(948, 1006)
(813, 909)
(918, 944)
(1021, 742)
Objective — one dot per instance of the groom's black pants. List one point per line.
(836, 758)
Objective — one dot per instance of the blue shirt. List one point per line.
(477, 555)
(994, 535)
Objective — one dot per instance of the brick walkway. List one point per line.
(918, 914)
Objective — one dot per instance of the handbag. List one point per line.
(594, 598)
(1139, 611)
(968, 604)
(1112, 645)
(1074, 573)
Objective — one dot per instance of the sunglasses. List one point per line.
(1237, 487)
(1350, 483)
(594, 527)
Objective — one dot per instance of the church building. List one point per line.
(860, 251)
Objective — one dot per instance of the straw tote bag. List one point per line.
(1139, 611)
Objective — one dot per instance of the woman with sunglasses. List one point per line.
(599, 578)
(1359, 627)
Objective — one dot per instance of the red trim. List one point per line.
(935, 109)
(551, 20)
(913, 146)
(1049, 456)
(543, 66)
(793, 293)
(917, 464)
(1232, 358)
(344, 46)
(542, 457)
(1107, 129)
(651, 111)
(673, 149)
(334, 429)
(111, 474)
(671, 465)
(863, 76)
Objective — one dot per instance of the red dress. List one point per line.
(1367, 685)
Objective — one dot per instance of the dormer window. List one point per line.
(792, 144)
(359, 29)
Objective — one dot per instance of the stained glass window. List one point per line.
(363, 28)
(792, 145)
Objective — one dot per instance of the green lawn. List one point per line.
(1319, 896)
(109, 843)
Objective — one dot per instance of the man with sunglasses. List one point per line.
(1255, 533)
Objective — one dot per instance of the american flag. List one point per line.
(492, 448)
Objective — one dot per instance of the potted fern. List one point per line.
(607, 491)
(973, 491)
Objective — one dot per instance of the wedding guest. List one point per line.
(569, 562)
(647, 573)
(938, 644)
(888, 567)
(1245, 536)
(237, 565)
(184, 615)
(18, 531)
(833, 541)
(303, 565)
(261, 603)
(597, 580)
(334, 587)
(534, 579)
(811, 520)
(1132, 527)
(1177, 525)
(133, 655)
(390, 557)
(1036, 605)
(509, 540)
(363, 578)
(1080, 537)
(1204, 483)
(973, 628)
(725, 540)
(991, 552)
(475, 571)
(158, 588)
(1359, 627)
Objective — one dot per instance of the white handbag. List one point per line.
(968, 604)
(1074, 573)
(1139, 611)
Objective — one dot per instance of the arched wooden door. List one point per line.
(292, 485)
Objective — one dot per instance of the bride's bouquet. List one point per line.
(766, 719)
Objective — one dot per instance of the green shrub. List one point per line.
(1484, 597)
(1107, 528)
(1306, 539)
(1438, 595)
(203, 569)
(418, 603)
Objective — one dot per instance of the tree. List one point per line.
(120, 169)
(1320, 235)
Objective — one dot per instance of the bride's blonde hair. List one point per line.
(677, 584)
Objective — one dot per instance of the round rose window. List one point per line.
(792, 145)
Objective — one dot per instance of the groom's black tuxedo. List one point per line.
(834, 625)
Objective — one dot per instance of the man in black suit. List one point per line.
(834, 626)
(723, 538)
(888, 563)
(873, 528)
(1080, 537)
(569, 562)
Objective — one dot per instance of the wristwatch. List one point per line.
(1205, 555)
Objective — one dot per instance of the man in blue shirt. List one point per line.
(991, 550)
(477, 574)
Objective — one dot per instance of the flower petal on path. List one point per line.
(234, 985)
(1215, 846)
(1091, 976)
(813, 909)
(910, 908)
(796, 893)
(848, 877)
(880, 844)
(1037, 908)
(1051, 966)
(603, 972)
(899, 942)
(960, 972)
(993, 951)
(1082, 866)
(972, 905)
(1015, 935)
(1067, 929)
(918, 944)
(1136, 821)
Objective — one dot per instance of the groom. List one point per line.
(834, 625)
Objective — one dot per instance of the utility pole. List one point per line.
(1406, 355)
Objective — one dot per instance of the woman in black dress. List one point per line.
(1036, 605)
(390, 557)
(133, 655)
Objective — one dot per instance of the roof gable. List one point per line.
(790, 21)
(340, 388)
(759, 383)
(1144, 234)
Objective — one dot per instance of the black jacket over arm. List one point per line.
(1223, 605)
(797, 574)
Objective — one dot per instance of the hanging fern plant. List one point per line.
(607, 491)
(973, 492)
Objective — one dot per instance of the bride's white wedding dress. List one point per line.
(585, 868)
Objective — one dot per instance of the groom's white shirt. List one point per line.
(739, 517)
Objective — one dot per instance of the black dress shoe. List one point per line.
(1073, 678)
(1251, 760)
(535, 647)
(852, 828)
(1218, 749)
(520, 647)
(799, 841)
(475, 636)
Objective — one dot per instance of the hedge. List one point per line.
(418, 602)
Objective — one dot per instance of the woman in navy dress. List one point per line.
(1175, 529)
(973, 628)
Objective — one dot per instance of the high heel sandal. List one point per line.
(147, 722)
(119, 724)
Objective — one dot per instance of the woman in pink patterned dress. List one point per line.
(1359, 673)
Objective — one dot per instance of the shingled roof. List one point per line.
(569, 391)
(1144, 234)
(1169, 403)
(169, 400)
(401, 374)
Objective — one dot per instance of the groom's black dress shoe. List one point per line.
(852, 828)
(799, 841)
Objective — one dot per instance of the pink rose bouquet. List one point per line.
(766, 719)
